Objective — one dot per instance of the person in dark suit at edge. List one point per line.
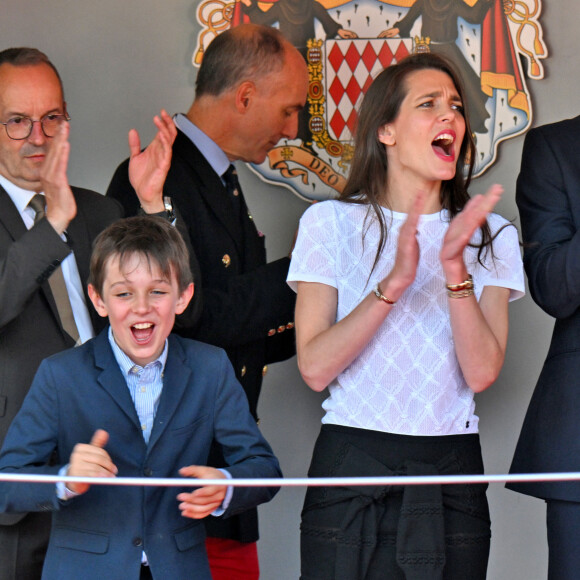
(547, 195)
(39, 246)
(250, 87)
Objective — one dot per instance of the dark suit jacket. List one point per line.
(102, 533)
(548, 198)
(248, 309)
(30, 328)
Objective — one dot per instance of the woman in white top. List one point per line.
(403, 287)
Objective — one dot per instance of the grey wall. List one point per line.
(121, 60)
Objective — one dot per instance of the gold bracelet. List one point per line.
(381, 296)
(465, 285)
(460, 293)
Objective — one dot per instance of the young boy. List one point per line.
(136, 401)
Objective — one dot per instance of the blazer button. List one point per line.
(243, 371)
(137, 542)
(148, 472)
(226, 260)
(264, 370)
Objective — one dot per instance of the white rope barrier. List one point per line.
(295, 482)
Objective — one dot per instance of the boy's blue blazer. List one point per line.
(103, 533)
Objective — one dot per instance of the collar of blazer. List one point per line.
(10, 216)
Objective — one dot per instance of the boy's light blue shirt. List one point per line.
(145, 384)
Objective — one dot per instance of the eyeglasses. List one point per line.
(19, 128)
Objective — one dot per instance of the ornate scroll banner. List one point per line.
(496, 44)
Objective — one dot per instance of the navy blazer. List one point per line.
(548, 198)
(248, 308)
(103, 533)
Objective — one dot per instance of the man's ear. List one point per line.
(386, 134)
(244, 95)
(183, 299)
(97, 301)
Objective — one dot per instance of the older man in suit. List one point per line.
(38, 245)
(249, 90)
(548, 198)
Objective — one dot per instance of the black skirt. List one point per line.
(424, 532)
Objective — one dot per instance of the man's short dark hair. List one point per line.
(25, 56)
(246, 52)
(152, 237)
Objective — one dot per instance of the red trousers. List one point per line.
(232, 560)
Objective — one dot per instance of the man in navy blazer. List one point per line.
(249, 90)
(548, 198)
(134, 402)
